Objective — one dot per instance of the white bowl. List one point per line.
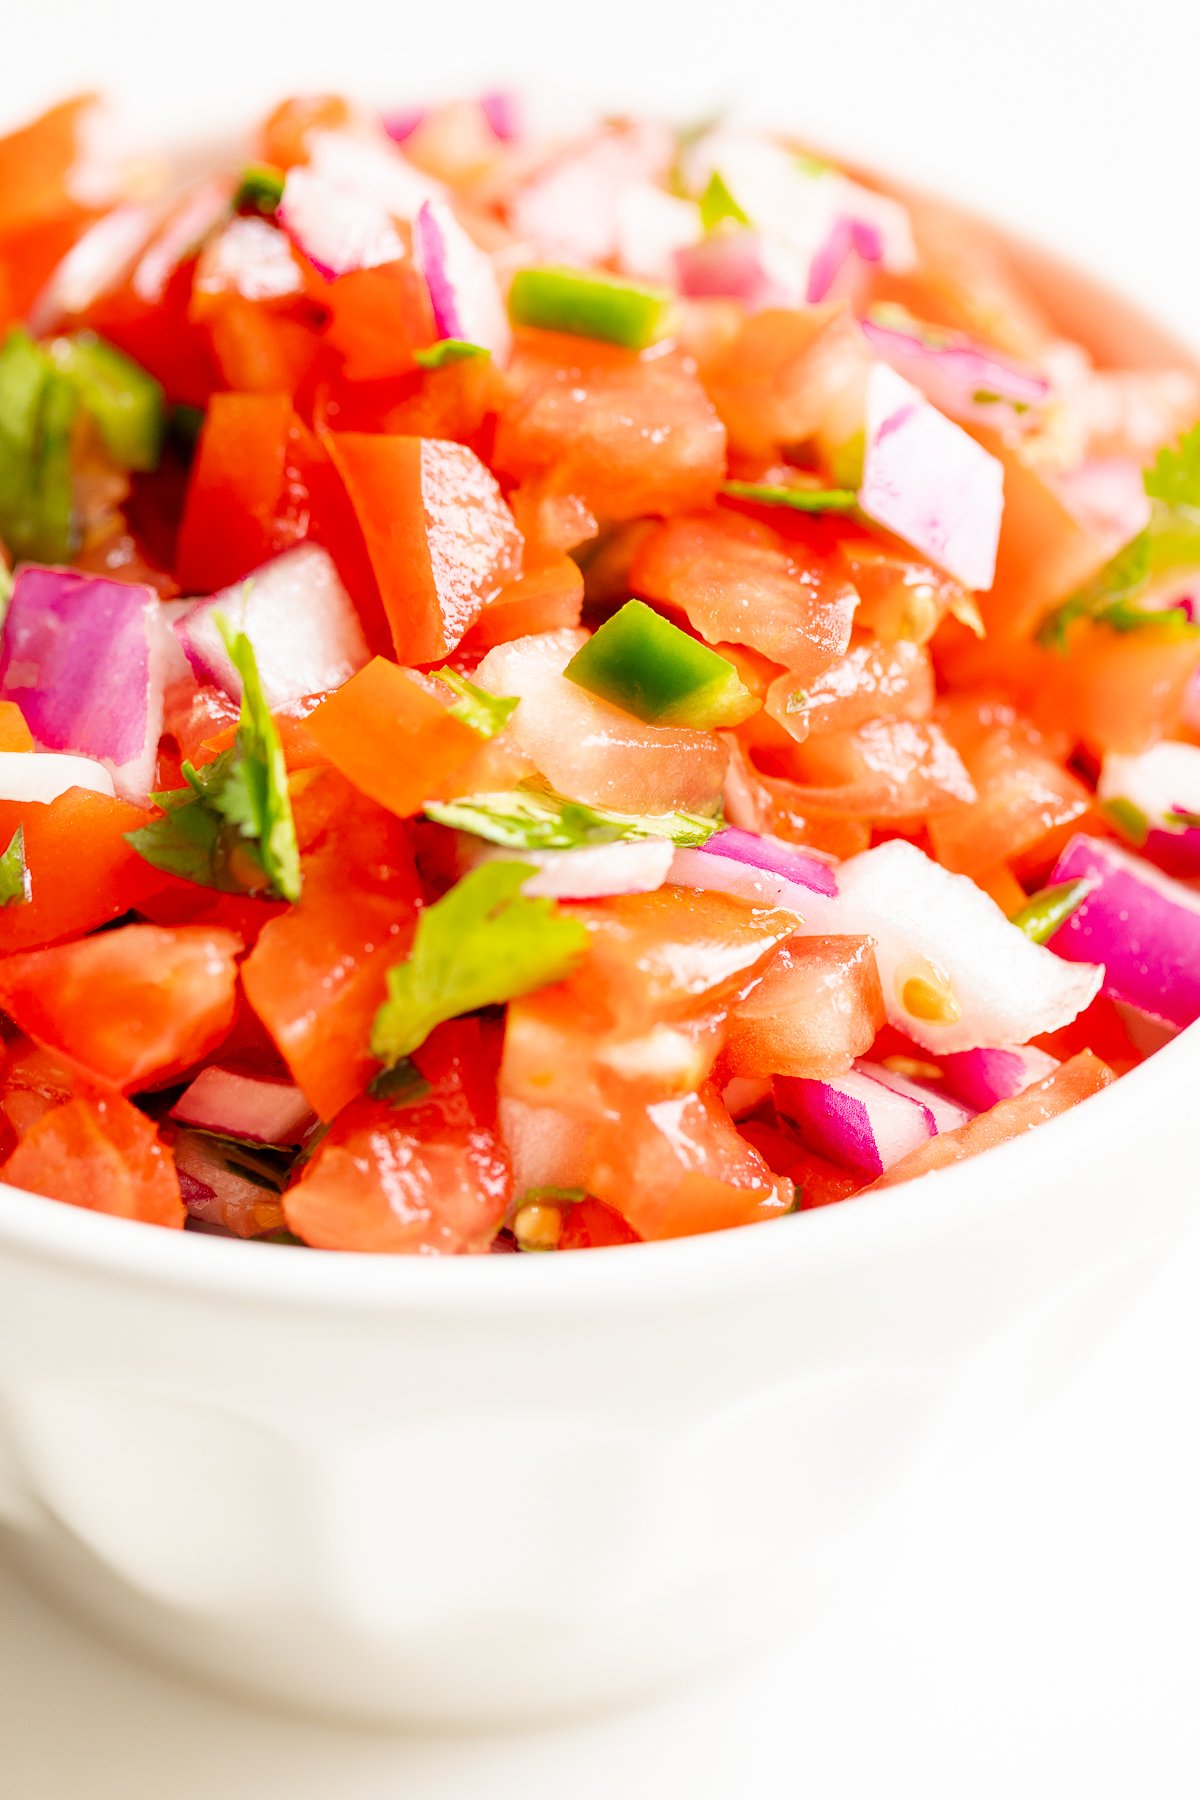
(502, 1488)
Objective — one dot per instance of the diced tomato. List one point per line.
(887, 769)
(1023, 795)
(626, 434)
(180, 902)
(82, 872)
(900, 597)
(284, 137)
(738, 583)
(964, 281)
(594, 752)
(787, 375)
(317, 975)
(551, 524)
(99, 1152)
(245, 501)
(817, 1182)
(134, 1006)
(591, 1225)
(377, 318)
(441, 540)
(542, 599)
(391, 738)
(36, 163)
(817, 1006)
(768, 803)
(33, 1080)
(681, 1166)
(14, 732)
(873, 680)
(1073, 1081)
(258, 350)
(431, 1177)
(1118, 692)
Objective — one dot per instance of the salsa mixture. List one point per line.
(561, 690)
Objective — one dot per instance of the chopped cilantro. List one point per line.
(717, 204)
(1168, 545)
(1041, 917)
(483, 712)
(403, 1085)
(15, 886)
(37, 409)
(482, 943)
(528, 819)
(800, 499)
(448, 350)
(231, 827)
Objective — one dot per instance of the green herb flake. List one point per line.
(447, 351)
(529, 819)
(260, 190)
(483, 712)
(717, 205)
(482, 943)
(127, 404)
(403, 1085)
(37, 409)
(1174, 475)
(233, 820)
(800, 499)
(1042, 916)
(1129, 819)
(15, 886)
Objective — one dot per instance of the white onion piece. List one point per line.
(43, 775)
(250, 257)
(930, 483)
(300, 621)
(940, 928)
(651, 228)
(373, 169)
(338, 230)
(721, 874)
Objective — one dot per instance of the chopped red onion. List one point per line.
(930, 483)
(1155, 798)
(946, 1112)
(955, 374)
(201, 211)
(568, 209)
(337, 230)
(1142, 923)
(856, 1121)
(84, 659)
(248, 1107)
(43, 776)
(373, 169)
(467, 303)
(741, 265)
(845, 238)
(982, 1078)
(938, 936)
(723, 874)
(402, 123)
(803, 867)
(301, 623)
(502, 110)
(654, 230)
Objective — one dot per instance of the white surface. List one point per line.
(1035, 1637)
(1036, 1634)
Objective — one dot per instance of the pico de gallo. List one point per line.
(564, 690)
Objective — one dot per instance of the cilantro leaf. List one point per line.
(37, 409)
(527, 819)
(1168, 545)
(483, 712)
(15, 885)
(231, 827)
(482, 943)
(448, 350)
(1174, 475)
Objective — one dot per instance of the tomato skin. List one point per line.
(440, 538)
(82, 872)
(318, 974)
(1073, 1081)
(680, 1166)
(592, 1225)
(245, 502)
(430, 1178)
(628, 435)
(132, 1007)
(99, 1152)
(739, 583)
(391, 738)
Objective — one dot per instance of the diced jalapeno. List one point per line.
(645, 665)
(585, 304)
(126, 403)
(800, 499)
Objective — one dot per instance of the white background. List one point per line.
(1033, 1631)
